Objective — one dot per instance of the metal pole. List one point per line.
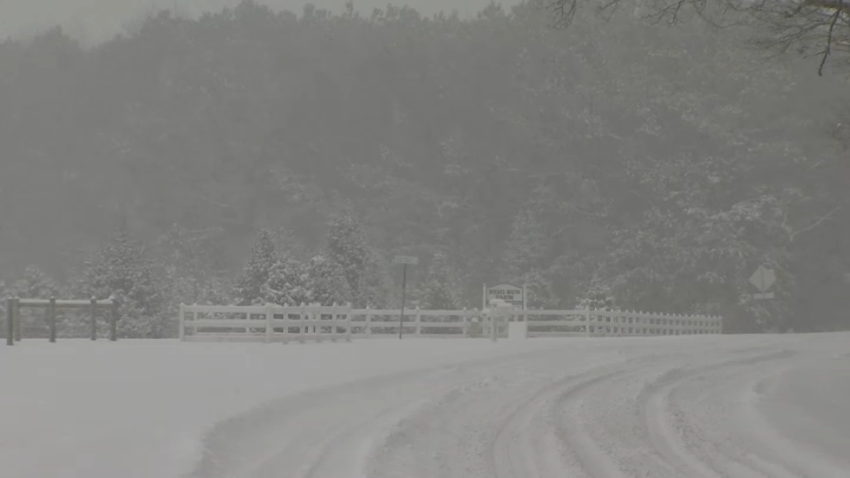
(10, 324)
(403, 297)
(524, 303)
(51, 318)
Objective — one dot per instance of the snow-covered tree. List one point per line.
(255, 275)
(286, 284)
(348, 250)
(598, 297)
(215, 291)
(318, 281)
(123, 268)
(528, 243)
(440, 291)
(35, 284)
(326, 282)
(189, 260)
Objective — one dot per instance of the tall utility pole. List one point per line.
(405, 261)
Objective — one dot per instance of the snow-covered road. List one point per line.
(666, 407)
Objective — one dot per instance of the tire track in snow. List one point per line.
(681, 441)
(604, 411)
(481, 429)
(513, 451)
(321, 433)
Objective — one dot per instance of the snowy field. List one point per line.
(661, 407)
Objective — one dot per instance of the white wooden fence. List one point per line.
(274, 323)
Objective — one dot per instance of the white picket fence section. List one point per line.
(274, 323)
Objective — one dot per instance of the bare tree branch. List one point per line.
(793, 236)
(827, 50)
(816, 27)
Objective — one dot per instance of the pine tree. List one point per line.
(598, 297)
(215, 291)
(123, 269)
(348, 250)
(255, 275)
(35, 284)
(440, 291)
(286, 284)
(327, 283)
(529, 241)
(189, 259)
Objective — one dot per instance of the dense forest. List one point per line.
(251, 155)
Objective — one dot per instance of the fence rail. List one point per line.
(274, 323)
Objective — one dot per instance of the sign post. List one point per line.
(524, 303)
(405, 261)
(763, 279)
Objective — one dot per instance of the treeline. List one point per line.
(643, 167)
(151, 280)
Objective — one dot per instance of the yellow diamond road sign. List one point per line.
(763, 279)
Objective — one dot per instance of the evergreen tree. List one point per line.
(255, 275)
(317, 281)
(527, 245)
(598, 297)
(35, 284)
(189, 259)
(348, 250)
(286, 284)
(215, 291)
(440, 291)
(326, 282)
(124, 269)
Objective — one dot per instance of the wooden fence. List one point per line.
(14, 326)
(273, 323)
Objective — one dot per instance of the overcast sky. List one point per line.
(97, 18)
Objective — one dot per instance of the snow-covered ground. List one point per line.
(666, 407)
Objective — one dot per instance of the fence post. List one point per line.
(285, 319)
(348, 331)
(195, 319)
(113, 320)
(269, 323)
(418, 321)
(10, 321)
(465, 323)
(51, 319)
(302, 327)
(93, 331)
(368, 323)
(334, 314)
(588, 317)
(17, 318)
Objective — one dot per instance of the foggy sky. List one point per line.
(94, 20)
